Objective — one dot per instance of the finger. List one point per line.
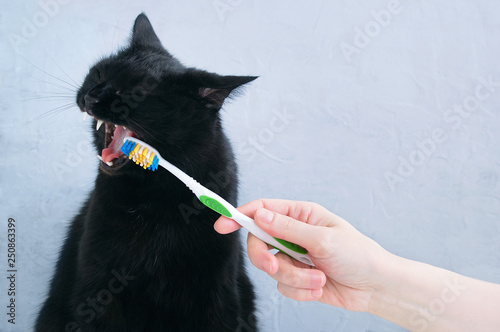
(298, 275)
(225, 225)
(259, 255)
(307, 212)
(300, 294)
(286, 228)
(281, 206)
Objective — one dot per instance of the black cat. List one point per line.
(142, 254)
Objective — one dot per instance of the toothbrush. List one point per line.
(149, 158)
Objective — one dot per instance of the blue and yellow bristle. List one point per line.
(141, 155)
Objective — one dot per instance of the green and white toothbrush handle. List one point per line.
(220, 205)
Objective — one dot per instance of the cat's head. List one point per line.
(144, 92)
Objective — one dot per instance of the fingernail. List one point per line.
(266, 216)
(316, 281)
(317, 292)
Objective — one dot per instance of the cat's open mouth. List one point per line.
(111, 156)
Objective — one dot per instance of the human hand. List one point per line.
(347, 262)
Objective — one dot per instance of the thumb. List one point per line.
(292, 230)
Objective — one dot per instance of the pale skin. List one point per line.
(354, 272)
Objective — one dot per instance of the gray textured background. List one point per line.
(400, 136)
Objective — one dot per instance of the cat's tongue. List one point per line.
(113, 150)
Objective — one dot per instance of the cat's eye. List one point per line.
(99, 75)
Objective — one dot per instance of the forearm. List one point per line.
(421, 297)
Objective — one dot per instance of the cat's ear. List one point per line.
(217, 88)
(143, 33)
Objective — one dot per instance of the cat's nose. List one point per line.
(89, 102)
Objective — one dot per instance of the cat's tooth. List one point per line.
(99, 157)
(85, 115)
(116, 126)
(124, 127)
(109, 163)
(99, 124)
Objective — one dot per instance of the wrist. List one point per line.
(386, 279)
(398, 295)
(410, 292)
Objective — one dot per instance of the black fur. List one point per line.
(142, 254)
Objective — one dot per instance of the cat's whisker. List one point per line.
(53, 111)
(48, 98)
(51, 96)
(60, 109)
(103, 40)
(60, 86)
(41, 91)
(72, 80)
(47, 93)
(47, 73)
